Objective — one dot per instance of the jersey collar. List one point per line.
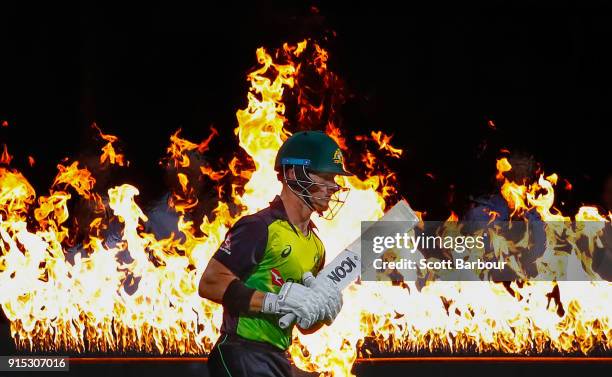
(279, 212)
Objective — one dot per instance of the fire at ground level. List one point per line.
(370, 352)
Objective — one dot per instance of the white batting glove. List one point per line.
(297, 299)
(332, 298)
(329, 299)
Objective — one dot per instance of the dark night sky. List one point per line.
(433, 78)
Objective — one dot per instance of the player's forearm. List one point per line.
(215, 282)
(213, 289)
(215, 292)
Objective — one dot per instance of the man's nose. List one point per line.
(332, 188)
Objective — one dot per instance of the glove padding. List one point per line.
(329, 297)
(295, 298)
(333, 298)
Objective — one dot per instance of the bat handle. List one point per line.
(286, 320)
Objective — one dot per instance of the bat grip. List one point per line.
(286, 320)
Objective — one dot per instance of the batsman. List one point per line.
(258, 272)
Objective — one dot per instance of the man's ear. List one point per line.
(290, 172)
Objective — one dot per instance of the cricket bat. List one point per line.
(345, 268)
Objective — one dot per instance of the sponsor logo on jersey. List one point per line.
(277, 278)
(286, 251)
(226, 245)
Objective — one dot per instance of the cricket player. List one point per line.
(257, 272)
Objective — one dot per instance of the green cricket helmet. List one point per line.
(312, 152)
(313, 149)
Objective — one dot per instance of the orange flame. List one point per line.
(214, 175)
(16, 194)
(383, 142)
(179, 147)
(336, 134)
(108, 151)
(79, 179)
(5, 158)
(502, 166)
(453, 217)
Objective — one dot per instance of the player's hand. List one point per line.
(329, 299)
(295, 298)
(331, 296)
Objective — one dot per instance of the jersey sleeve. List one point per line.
(244, 246)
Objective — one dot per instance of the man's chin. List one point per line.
(321, 207)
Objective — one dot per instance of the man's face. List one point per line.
(323, 189)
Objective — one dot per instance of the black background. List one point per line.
(432, 77)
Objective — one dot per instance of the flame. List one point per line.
(79, 179)
(140, 293)
(16, 194)
(5, 158)
(177, 151)
(108, 151)
(453, 217)
(260, 130)
(336, 134)
(502, 166)
(214, 175)
(383, 142)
